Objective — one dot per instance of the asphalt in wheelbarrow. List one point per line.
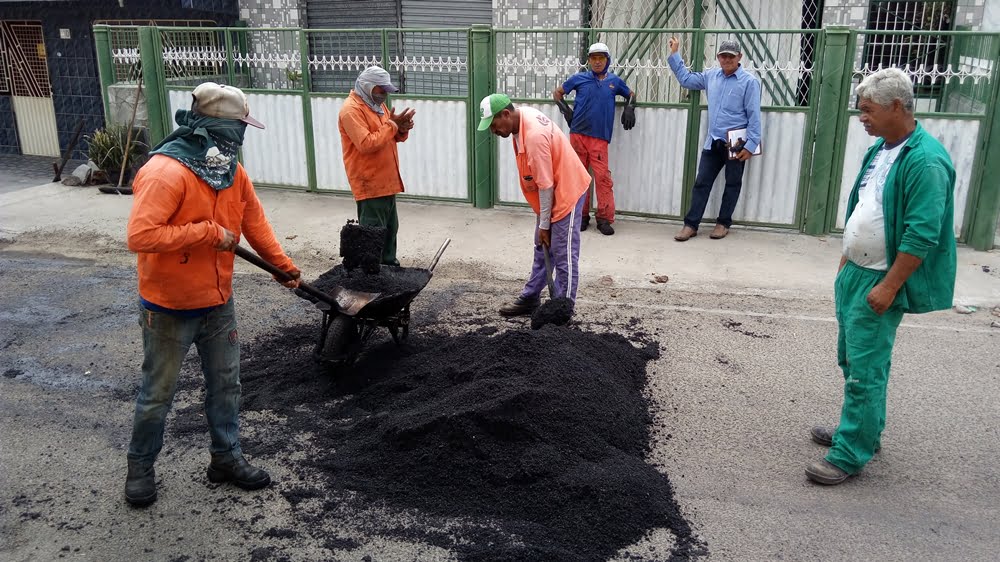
(397, 286)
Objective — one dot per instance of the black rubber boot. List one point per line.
(605, 227)
(238, 471)
(585, 223)
(140, 484)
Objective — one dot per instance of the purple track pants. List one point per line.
(564, 253)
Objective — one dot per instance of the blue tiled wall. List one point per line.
(76, 86)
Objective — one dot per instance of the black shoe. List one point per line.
(605, 227)
(238, 471)
(585, 223)
(140, 484)
(520, 307)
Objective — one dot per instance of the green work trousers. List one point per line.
(381, 211)
(864, 352)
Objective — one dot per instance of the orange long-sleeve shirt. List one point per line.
(369, 143)
(177, 220)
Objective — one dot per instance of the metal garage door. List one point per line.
(349, 14)
(439, 13)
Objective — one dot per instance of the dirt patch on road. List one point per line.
(527, 444)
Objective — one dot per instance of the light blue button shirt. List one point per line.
(733, 101)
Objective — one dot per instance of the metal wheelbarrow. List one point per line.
(345, 332)
(351, 317)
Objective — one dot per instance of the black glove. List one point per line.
(628, 117)
(566, 110)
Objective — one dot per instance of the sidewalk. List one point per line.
(497, 243)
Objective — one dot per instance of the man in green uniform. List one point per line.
(899, 257)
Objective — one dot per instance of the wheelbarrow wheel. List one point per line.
(339, 338)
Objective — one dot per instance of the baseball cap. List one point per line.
(224, 102)
(378, 76)
(599, 48)
(729, 47)
(489, 107)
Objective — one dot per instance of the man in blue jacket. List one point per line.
(733, 103)
(899, 257)
(591, 121)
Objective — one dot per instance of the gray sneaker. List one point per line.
(823, 472)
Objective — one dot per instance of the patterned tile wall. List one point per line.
(262, 14)
(72, 65)
(537, 13)
(273, 13)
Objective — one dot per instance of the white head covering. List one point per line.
(367, 80)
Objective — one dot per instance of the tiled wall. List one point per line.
(538, 13)
(76, 88)
(273, 13)
(262, 14)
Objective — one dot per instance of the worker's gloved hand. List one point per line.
(628, 117)
(566, 110)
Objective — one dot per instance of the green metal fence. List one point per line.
(302, 76)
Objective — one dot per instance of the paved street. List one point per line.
(745, 327)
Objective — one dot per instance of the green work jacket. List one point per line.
(919, 208)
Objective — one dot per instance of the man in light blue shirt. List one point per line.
(733, 103)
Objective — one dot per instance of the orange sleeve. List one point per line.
(257, 229)
(356, 127)
(154, 202)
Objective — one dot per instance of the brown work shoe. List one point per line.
(826, 473)
(520, 307)
(685, 234)
(719, 232)
(823, 435)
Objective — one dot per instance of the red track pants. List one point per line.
(593, 152)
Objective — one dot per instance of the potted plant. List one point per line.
(112, 147)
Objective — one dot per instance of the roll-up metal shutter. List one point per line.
(431, 46)
(446, 13)
(350, 14)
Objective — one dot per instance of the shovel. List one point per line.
(557, 310)
(344, 300)
(548, 273)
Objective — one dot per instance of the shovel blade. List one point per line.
(351, 302)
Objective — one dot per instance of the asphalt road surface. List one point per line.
(740, 381)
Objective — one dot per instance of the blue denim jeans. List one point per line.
(712, 162)
(166, 339)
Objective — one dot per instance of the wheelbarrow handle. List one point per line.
(282, 275)
(437, 256)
